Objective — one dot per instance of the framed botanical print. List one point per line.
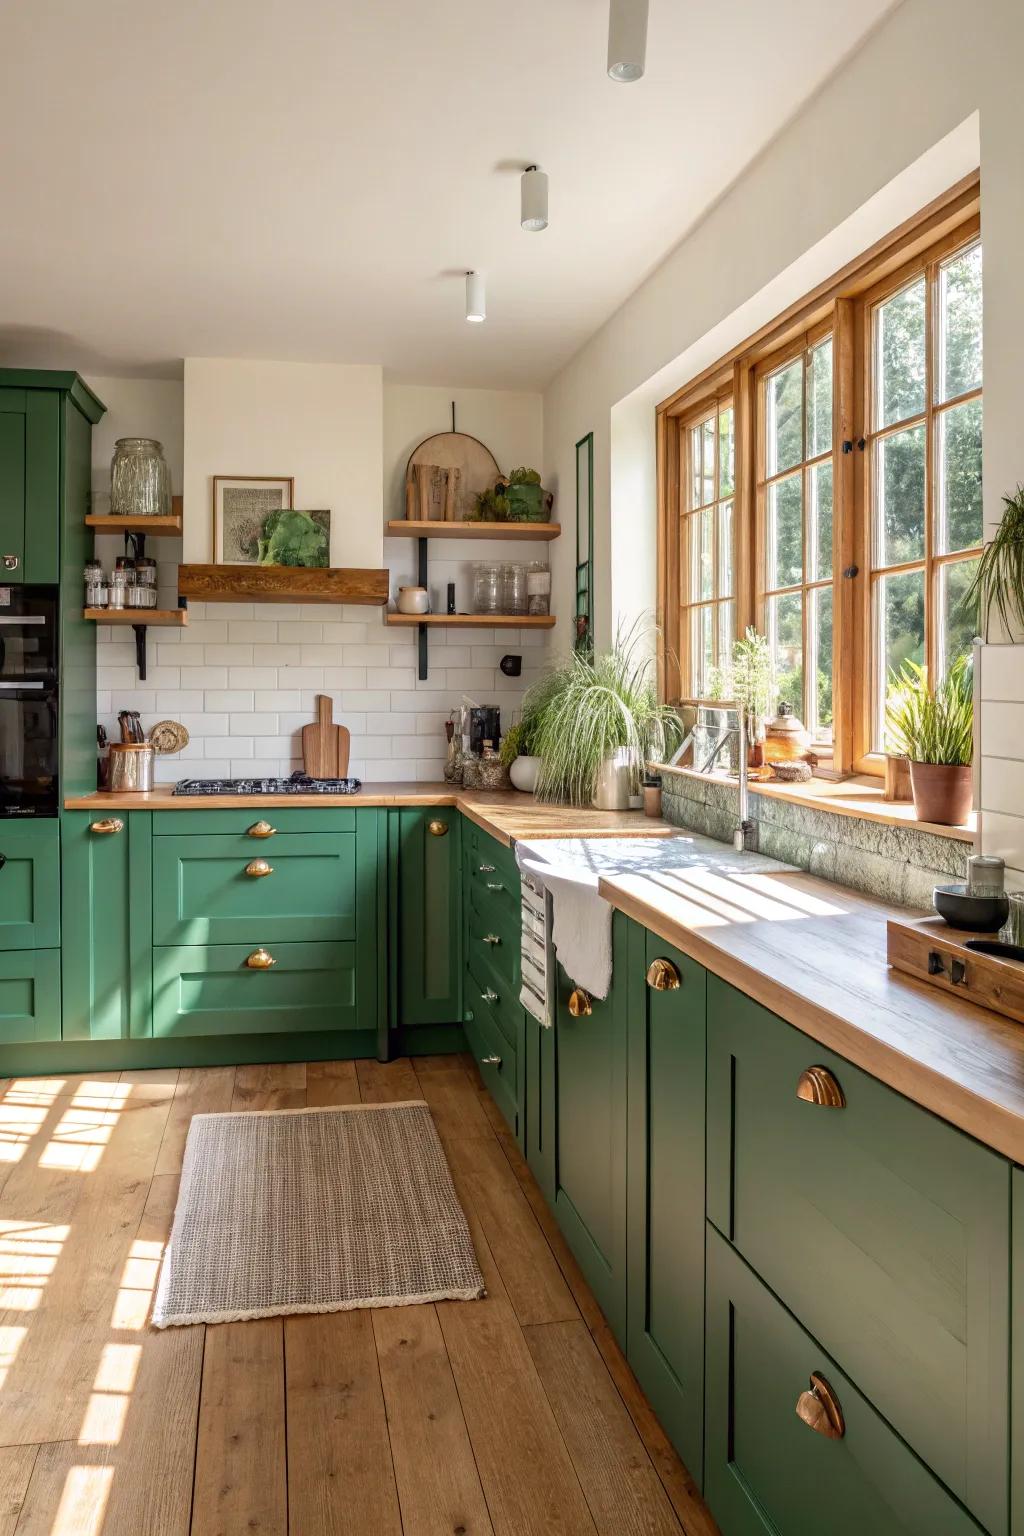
(241, 506)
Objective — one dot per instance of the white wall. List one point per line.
(933, 90)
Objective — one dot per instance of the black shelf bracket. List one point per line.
(141, 632)
(422, 629)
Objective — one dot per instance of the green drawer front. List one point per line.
(884, 1230)
(490, 860)
(497, 1060)
(211, 991)
(29, 885)
(498, 939)
(29, 995)
(202, 894)
(486, 985)
(297, 819)
(766, 1471)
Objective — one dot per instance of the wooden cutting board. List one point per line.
(325, 746)
(931, 951)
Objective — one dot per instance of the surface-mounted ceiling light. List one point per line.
(627, 39)
(533, 202)
(476, 302)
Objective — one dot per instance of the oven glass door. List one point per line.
(28, 701)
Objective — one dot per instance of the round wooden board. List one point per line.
(457, 450)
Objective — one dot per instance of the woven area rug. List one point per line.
(314, 1210)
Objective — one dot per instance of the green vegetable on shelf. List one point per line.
(293, 538)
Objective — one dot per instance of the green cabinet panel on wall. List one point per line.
(29, 995)
(107, 902)
(29, 884)
(882, 1228)
(665, 1201)
(211, 990)
(1017, 1358)
(427, 915)
(30, 462)
(766, 1471)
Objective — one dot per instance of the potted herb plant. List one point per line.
(998, 583)
(596, 720)
(935, 730)
(517, 755)
(749, 679)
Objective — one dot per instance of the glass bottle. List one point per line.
(140, 482)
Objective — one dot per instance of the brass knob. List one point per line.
(491, 1061)
(495, 885)
(260, 960)
(437, 828)
(491, 938)
(820, 1410)
(490, 996)
(579, 1004)
(257, 868)
(486, 869)
(663, 976)
(816, 1085)
(261, 829)
(107, 825)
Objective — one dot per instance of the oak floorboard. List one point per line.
(240, 1477)
(341, 1481)
(199, 1091)
(16, 1463)
(331, 1082)
(270, 1085)
(438, 1484)
(622, 1488)
(454, 1107)
(387, 1082)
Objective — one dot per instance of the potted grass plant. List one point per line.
(596, 720)
(935, 730)
(998, 583)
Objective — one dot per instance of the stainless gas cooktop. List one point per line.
(298, 784)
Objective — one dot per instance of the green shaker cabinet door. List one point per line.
(587, 1081)
(107, 900)
(29, 995)
(29, 485)
(29, 885)
(767, 1471)
(667, 1064)
(429, 916)
(217, 990)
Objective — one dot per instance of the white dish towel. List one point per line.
(581, 926)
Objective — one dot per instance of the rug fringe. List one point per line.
(185, 1320)
(313, 1109)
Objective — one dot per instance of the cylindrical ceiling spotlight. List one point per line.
(476, 301)
(627, 39)
(533, 201)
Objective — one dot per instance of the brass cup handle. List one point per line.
(663, 976)
(108, 825)
(816, 1085)
(491, 938)
(261, 829)
(437, 828)
(820, 1410)
(579, 1003)
(495, 885)
(10, 562)
(485, 869)
(258, 868)
(491, 1061)
(490, 996)
(260, 960)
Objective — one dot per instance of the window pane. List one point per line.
(819, 702)
(726, 452)
(726, 631)
(899, 617)
(702, 642)
(785, 532)
(899, 497)
(960, 324)
(724, 550)
(959, 471)
(784, 426)
(707, 482)
(821, 520)
(819, 399)
(899, 381)
(785, 639)
(957, 627)
(696, 438)
(706, 574)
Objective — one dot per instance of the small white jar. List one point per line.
(413, 600)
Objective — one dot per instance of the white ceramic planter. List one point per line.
(413, 600)
(612, 791)
(524, 773)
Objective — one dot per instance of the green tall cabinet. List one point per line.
(426, 907)
(107, 904)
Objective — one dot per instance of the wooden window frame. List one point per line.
(711, 408)
(842, 305)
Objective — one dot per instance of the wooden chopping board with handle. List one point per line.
(325, 746)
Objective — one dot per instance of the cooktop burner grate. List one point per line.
(298, 784)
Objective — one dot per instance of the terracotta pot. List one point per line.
(943, 792)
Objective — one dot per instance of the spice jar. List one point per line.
(95, 585)
(492, 772)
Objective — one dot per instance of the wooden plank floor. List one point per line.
(513, 1416)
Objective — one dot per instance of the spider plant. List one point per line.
(932, 727)
(588, 708)
(998, 582)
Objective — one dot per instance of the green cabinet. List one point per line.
(667, 1009)
(235, 989)
(30, 437)
(29, 995)
(426, 909)
(493, 1017)
(29, 884)
(107, 902)
(767, 1471)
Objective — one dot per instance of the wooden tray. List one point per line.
(930, 950)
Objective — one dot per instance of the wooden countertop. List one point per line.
(505, 814)
(814, 953)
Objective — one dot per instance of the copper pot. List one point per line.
(943, 792)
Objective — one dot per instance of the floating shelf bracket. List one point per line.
(141, 631)
(422, 555)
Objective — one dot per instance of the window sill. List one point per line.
(860, 796)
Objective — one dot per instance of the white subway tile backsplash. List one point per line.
(203, 632)
(225, 746)
(228, 655)
(253, 724)
(204, 677)
(369, 700)
(299, 677)
(206, 723)
(227, 700)
(277, 655)
(1002, 729)
(1002, 673)
(251, 677)
(174, 701)
(390, 677)
(252, 631)
(344, 677)
(344, 634)
(1003, 835)
(366, 655)
(274, 699)
(300, 633)
(1002, 785)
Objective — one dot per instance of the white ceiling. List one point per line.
(308, 179)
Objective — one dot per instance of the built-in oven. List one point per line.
(29, 701)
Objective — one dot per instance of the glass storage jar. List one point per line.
(488, 587)
(538, 586)
(516, 595)
(140, 482)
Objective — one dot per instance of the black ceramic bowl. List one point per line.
(980, 914)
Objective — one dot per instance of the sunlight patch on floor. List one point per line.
(11, 1340)
(28, 1254)
(108, 1405)
(138, 1281)
(84, 1129)
(83, 1502)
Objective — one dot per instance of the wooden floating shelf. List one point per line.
(475, 620)
(282, 584)
(168, 527)
(164, 618)
(406, 528)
